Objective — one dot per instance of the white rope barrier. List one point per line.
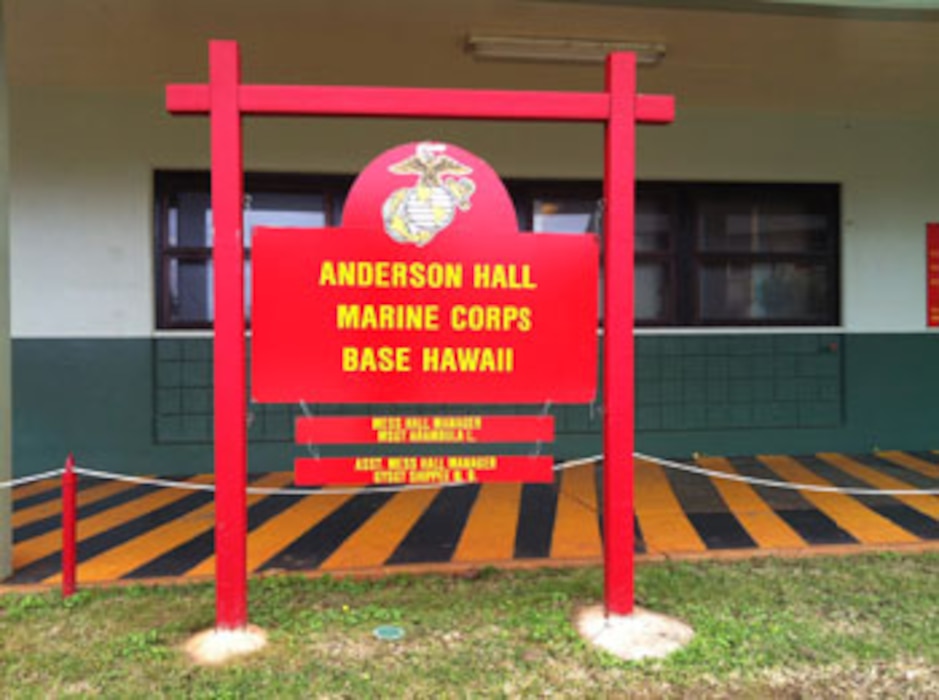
(22, 481)
(146, 481)
(771, 483)
(271, 491)
(569, 464)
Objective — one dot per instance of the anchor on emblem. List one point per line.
(417, 214)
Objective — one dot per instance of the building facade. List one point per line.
(781, 273)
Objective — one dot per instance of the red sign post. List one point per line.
(226, 101)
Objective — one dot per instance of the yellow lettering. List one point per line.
(503, 276)
(524, 319)
(388, 317)
(399, 276)
(481, 276)
(389, 477)
(327, 274)
(431, 360)
(458, 422)
(346, 274)
(526, 281)
(381, 359)
(458, 318)
(350, 359)
(448, 363)
(475, 462)
(387, 274)
(348, 316)
(493, 318)
(382, 273)
(500, 279)
(468, 359)
(367, 464)
(416, 277)
(490, 318)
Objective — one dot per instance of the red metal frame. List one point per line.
(226, 101)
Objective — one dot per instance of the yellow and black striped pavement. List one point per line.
(129, 531)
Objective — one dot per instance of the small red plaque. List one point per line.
(932, 275)
(435, 469)
(423, 430)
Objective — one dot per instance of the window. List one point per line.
(723, 255)
(184, 234)
(765, 255)
(706, 254)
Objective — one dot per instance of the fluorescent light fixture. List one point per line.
(560, 49)
(865, 4)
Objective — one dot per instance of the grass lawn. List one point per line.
(830, 627)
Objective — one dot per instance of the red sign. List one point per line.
(428, 469)
(423, 430)
(932, 275)
(428, 293)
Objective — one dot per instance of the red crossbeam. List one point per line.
(289, 100)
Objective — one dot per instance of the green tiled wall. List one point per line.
(183, 395)
(682, 383)
(719, 382)
(140, 405)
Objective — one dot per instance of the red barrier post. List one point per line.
(69, 523)
(932, 275)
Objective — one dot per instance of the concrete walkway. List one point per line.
(131, 532)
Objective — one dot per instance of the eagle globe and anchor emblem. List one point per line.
(416, 214)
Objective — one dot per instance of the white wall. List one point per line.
(889, 172)
(82, 164)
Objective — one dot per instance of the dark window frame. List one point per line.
(682, 260)
(167, 187)
(821, 198)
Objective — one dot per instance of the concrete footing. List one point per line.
(641, 635)
(214, 647)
